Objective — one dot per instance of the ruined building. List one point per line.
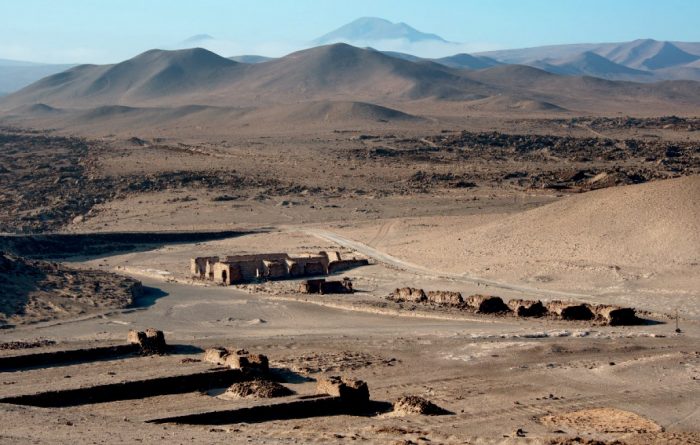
(269, 266)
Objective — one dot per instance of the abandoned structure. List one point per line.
(321, 286)
(269, 266)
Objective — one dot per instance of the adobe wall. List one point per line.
(341, 265)
(243, 268)
(198, 266)
(257, 257)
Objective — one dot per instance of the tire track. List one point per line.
(392, 261)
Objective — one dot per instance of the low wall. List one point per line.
(138, 389)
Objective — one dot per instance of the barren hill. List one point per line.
(197, 76)
(358, 74)
(153, 74)
(652, 226)
(655, 223)
(334, 73)
(592, 64)
(650, 54)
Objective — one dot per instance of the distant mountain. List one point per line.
(591, 64)
(251, 59)
(402, 56)
(372, 29)
(197, 76)
(643, 60)
(550, 53)
(341, 70)
(459, 61)
(467, 61)
(649, 54)
(15, 75)
(153, 74)
(332, 82)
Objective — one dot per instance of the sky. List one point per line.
(107, 31)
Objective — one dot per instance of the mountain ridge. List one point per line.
(338, 74)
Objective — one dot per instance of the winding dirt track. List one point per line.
(392, 261)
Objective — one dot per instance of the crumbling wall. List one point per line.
(447, 298)
(245, 268)
(215, 355)
(151, 341)
(570, 311)
(527, 308)
(487, 304)
(347, 389)
(311, 286)
(332, 256)
(237, 359)
(342, 265)
(321, 286)
(275, 269)
(222, 273)
(314, 268)
(409, 294)
(258, 389)
(615, 315)
(408, 405)
(198, 266)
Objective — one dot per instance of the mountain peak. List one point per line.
(191, 57)
(369, 29)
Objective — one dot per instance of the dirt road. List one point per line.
(392, 261)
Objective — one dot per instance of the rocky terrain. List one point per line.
(470, 159)
(52, 181)
(676, 123)
(34, 291)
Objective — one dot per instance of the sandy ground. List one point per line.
(623, 246)
(497, 375)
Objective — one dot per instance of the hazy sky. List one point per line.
(101, 31)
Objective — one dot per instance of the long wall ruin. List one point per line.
(269, 266)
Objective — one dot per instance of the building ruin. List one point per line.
(238, 269)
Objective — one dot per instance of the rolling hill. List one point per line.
(649, 54)
(644, 60)
(197, 76)
(591, 64)
(331, 82)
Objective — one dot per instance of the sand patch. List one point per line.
(603, 420)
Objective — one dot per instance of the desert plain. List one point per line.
(505, 182)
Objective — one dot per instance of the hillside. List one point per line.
(643, 60)
(153, 74)
(337, 73)
(592, 64)
(638, 240)
(650, 54)
(639, 225)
